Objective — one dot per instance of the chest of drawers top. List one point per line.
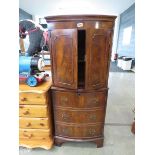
(34, 95)
(42, 88)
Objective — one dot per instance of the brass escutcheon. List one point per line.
(92, 132)
(64, 100)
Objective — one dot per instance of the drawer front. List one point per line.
(79, 116)
(79, 100)
(33, 98)
(45, 143)
(97, 99)
(87, 131)
(33, 123)
(34, 133)
(33, 111)
(65, 99)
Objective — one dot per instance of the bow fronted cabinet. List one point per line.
(80, 48)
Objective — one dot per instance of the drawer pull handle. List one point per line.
(95, 101)
(24, 99)
(26, 113)
(42, 124)
(92, 132)
(29, 136)
(65, 116)
(92, 117)
(28, 125)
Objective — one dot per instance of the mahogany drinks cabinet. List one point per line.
(80, 47)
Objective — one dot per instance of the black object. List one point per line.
(126, 58)
(133, 63)
(44, 25)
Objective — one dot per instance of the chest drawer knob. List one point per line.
(29, 136)
(24, 99)
(26, 112)
(28, 124)
(42, 124)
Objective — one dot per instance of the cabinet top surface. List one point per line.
(80, 17)
(43, 87)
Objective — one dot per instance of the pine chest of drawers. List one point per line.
(35, 126)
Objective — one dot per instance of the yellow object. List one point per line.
(33, 111)
(46, 144)
(34, 123)
(33, 98)
(35, 127)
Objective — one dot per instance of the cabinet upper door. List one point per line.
(64, 57)
(97, 58)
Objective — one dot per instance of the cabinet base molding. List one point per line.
(58, 141)
(45, 144)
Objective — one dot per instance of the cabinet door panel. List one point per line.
(97, 58)
(64, 57)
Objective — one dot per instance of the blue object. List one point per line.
(29, 70)
(31, 81)
(24, 64)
